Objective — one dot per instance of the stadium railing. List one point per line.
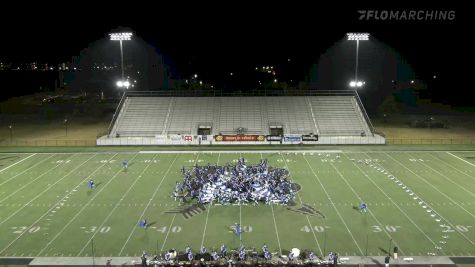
(16, 142)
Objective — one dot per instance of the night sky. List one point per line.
(215, 39)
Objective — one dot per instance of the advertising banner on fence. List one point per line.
(239, 138)
(188, 138)
(310, 137)
(274, 138)
(292, 138)
(175, 137)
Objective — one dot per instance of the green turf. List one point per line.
(47, 210)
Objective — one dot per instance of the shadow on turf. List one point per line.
(151, 223)
(383, 250)
(356, 208)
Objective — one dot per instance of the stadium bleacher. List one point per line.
(325, 115)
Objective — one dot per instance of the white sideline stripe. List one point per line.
(361, 200)
(209, 208)
(34, 180)
(447, 178)
(450, 165)
(460, 158)
(451, 224)
(82, 209)
(334, 206)
(17, 162)
(48, 188)
(48, 211)
(300, 199)
(34, 165)
(442, 193)
(148, 204)
(116, 205)
(239, 151)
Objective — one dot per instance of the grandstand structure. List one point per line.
(168, 116)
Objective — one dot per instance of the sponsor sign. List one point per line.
(292, 138)
(310, 137)
(175, 137)
(188, 138)
(274, 138)
(237, 138)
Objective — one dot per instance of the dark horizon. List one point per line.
(216, 40)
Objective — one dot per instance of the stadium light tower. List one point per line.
(121, 36)
(352, 36)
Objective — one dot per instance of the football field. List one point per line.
(423, 202)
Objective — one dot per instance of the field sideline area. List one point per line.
(423, 202)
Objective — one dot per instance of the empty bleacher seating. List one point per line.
(323, 115)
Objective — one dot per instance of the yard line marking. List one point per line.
(17, 162)
(361, 200)
(40, 194)
(450, 165)
(273, 217)
(34, 165)
(38, 177)
(82, 209)
(48, 211)
(447, 178)
(209, 208)
(206, 223)
(148, 204)
(275, 225)
(300, 199)
(116, 205)
(333, 204)
(460, 158)
(451, 224)
(395, 204)
(449, 198)
(168, 232)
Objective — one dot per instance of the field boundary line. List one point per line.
(148, 204)
(447, 178)
(442, 193)
(117, 205)
(300, 199)
(453, 167)
(334, 206)
(52, 207)
(18, 162)
(34, 165)
(48, 188)
(460, 158)
(451, 224)
(82, 209)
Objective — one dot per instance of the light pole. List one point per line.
(121, 36)
(11, 132)
(352, 36)
(66, 126)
